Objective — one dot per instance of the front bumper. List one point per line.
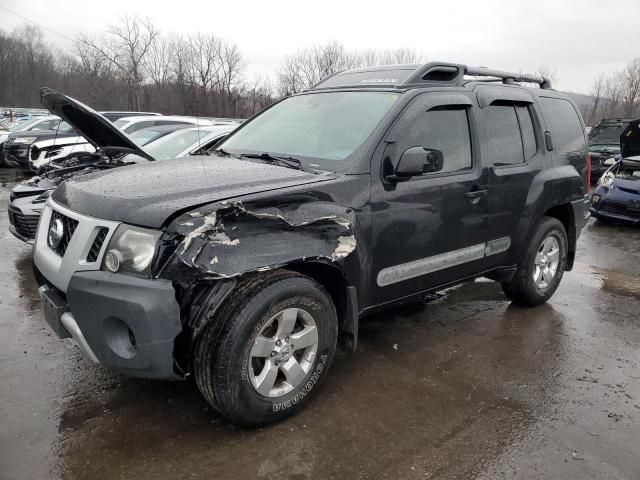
(616, 212)
(23, 219)
(128, 324)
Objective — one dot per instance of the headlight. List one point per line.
(607, 180)
(25, 140)
(609, 161)
(131, 250)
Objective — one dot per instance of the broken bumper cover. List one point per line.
(125, 323)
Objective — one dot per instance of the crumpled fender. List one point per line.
(234, 238)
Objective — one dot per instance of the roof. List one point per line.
(423, 75)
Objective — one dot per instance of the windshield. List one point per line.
(21, 126)
(121, 122)
(144, 136)
(172, 145)
(324, 127)
(604, 148)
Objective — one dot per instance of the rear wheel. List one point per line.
(542, 268)
(267, 349)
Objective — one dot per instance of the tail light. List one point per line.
(588, 172)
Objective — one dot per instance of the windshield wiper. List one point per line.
(222, 152)
(289, 162)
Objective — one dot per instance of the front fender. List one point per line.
(237, 238)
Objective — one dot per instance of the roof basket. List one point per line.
(455, 73)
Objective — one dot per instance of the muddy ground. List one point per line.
(467, 387)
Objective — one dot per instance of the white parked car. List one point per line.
(131, 124)
(48, 150)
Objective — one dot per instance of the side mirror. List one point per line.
(416, 161)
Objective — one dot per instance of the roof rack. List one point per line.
(455, 73)
(432, 73)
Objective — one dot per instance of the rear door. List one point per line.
(432, 229)
(513, 152)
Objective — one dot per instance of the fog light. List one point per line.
(112, 260)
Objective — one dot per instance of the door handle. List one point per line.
(475, 195)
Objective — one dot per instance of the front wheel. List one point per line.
(540, 271)
(266, 351)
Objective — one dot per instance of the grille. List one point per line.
(92, 256)
(25, 225)
(68, 227)
(618, 208)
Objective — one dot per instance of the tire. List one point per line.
(524, 289)
(233, 368)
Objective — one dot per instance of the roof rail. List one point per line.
(509, 77)
(455, 73)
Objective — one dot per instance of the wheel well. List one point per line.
(331, 279)
(564, 213)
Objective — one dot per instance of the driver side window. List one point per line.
(445, 129)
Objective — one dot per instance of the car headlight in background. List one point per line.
(595, 199)
(609, 161)
(131, 250)
(24, 140)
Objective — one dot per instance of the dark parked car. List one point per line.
(17, 147)
(617, 196)
(604, 144)
(376, 186)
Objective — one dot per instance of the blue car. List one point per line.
(617, 196)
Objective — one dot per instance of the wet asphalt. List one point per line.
(466, 386)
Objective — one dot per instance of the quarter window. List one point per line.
(445, 129)
(564, 123)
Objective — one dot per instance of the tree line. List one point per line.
(134, 66)
(616, 94)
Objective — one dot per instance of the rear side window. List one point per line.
(526, 129)
(511, 136)
(445, 129)
(564, 123)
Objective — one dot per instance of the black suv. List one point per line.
(247, 268)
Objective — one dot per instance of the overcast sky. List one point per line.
(579, 39)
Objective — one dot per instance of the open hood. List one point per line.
(608, 131)
(630, 140)
(99, 131)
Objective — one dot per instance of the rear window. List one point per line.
(564, 124)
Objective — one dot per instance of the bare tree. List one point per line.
(613, 93)
(630, 80)
(127, 47)
(597, 91)
(306, 67)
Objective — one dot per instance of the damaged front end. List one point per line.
(213, 246)
(618, 194)
(237, 238)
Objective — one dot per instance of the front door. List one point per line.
(432, 229)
